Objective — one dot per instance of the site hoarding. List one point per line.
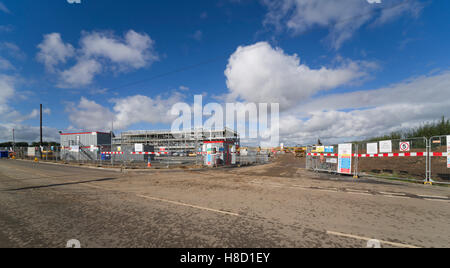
(345, 158)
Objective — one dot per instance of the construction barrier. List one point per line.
(402, 158)
(328, 159)
(416, 159)
(439, 159)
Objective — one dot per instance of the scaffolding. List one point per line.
(187, 142)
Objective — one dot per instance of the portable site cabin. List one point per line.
(219, 153)
(85, 145)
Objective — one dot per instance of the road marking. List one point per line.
(433, 196)
(353, 191)
(188, 205)
(439, 200)
(176, 203)
(325, 190)
(359, 193)
(356, 191)
(396, 194)
(368, 239)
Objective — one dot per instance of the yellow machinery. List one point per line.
(47, 154)
(299, 151)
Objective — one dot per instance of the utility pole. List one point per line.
(112, 155)
(40, 146)
(14, 141)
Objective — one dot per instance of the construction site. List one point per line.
(342, 195)
(240, 126)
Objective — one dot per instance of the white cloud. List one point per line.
(135, 51)
(81, 74)
(98, 52)
(343, 18)
(364, 114)
(4, 8)
(54, 51)
(13, 50)
(260, 73)
(140, 108)
(89, 115)
(27, 133)
(7, 91)
(5, 65)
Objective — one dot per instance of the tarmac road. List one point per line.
(44, 205)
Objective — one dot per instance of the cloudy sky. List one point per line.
(340, 69)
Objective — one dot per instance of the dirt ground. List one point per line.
(275, 205)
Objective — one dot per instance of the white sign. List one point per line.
(372, 148)
(75, 149)
(448, 151)
(345, 149)
(31, 151)
(405, 146)
(139, 148)
(332, 160)
(385, 147)
(345, 158)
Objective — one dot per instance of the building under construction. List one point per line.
(188, 142)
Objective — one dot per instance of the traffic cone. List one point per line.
(149, 164)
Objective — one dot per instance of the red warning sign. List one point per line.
(405, 146)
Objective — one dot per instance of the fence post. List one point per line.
(355, 175)
(428, 162)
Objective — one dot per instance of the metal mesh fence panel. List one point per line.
(440, 159)
(327, 159)
(404, 159)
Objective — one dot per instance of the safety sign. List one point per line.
(385, 147)
(405, 146)
(448, 151)
(372, 148)
(345, 158)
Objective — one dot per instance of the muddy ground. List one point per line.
(275, 205)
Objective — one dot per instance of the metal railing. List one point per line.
(413, 159)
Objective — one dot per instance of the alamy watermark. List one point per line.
(258, 122)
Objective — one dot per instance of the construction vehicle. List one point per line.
(300, 152)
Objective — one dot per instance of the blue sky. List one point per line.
(95, 49)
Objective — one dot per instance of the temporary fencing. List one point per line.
(439, 160)
(103, 156)
(416, 159)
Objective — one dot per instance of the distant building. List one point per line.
(186, 142)
(85, 145)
